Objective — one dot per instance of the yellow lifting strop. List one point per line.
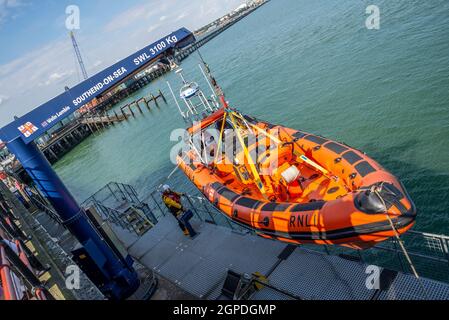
(301, 156)
(253, 168)
(221, 137)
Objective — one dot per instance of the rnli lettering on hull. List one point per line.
(303, 220)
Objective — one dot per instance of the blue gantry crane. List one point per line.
(113, 273)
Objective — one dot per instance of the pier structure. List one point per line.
(45, 250)
(115, 275)
(229, 262)
(70, 136)
(109, 101)
(137, 104)
(109, 268)
(179, 54)
(102, 120)
(65, 140)
(204, 38)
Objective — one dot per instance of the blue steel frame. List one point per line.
(19, 136)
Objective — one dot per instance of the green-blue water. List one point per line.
(310, 65)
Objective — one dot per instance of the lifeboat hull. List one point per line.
(351, 219)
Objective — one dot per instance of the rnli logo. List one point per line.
(27, 129)
(303, 220)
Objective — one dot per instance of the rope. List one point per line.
(400, 242)
(163, 180)
(173, 172)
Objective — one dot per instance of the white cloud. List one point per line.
(162, 18)
(3, 98)
(181, 16)
(35, 78)
(57, 77)
(133, 16)
(7, 8)
(126, 18)
(153, 27)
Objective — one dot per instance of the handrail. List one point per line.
(49, 211)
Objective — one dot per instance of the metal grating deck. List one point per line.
(199, 266)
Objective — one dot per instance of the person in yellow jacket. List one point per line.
(172, 201)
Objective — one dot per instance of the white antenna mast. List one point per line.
(198, 106)
(176, 100)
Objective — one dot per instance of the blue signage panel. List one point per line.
(35, 123)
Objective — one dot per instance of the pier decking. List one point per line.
(200, 266)
(103, 120)
(51, 243)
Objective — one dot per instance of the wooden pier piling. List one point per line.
(131, 110)
(124, 113)
(138, 106)
(145, 102)
(91, 122)
(162, 96)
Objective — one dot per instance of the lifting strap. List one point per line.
(253, 168)
(301, 156)
(221, 137)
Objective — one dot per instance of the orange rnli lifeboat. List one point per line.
(287, 184)
(298, 187)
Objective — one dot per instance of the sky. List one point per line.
(37, 59)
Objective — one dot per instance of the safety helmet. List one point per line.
(165, 187)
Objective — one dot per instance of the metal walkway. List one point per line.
(200, 266)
